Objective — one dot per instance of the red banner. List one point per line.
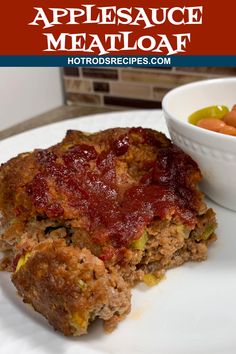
(99, 27)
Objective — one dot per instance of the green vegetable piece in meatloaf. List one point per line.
(141, 242)
(208, 232)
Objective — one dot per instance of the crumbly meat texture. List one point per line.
(128, 195)
(71, 287)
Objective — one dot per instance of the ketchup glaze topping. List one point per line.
(82, 181)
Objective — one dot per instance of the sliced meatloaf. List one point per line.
(128, 196)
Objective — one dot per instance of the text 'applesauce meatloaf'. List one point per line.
(84, 220)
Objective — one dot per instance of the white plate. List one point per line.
(193, 311)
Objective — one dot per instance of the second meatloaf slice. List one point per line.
(71, 287)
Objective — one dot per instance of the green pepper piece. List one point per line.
(141, 242)
(208, 112)
(208, 232)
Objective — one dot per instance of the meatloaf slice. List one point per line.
(71, 287)
(128, 195)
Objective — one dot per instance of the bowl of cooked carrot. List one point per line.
(201, 118)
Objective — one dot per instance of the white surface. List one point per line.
(191, 312)
(27, 92)
(215, 153)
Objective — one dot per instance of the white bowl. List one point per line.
(215, 153)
